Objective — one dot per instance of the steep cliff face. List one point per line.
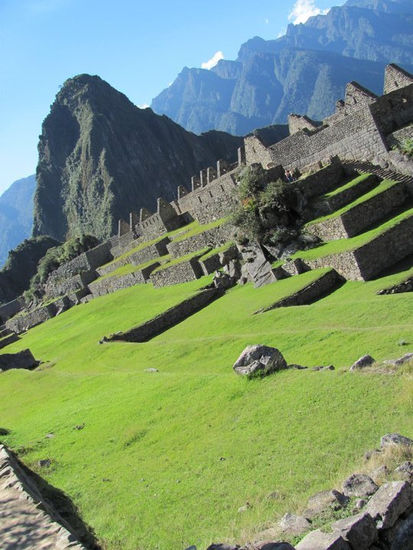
(101, 157)
(305, 71)
(16, 214)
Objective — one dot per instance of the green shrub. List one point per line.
(406, 147)
(269, 212)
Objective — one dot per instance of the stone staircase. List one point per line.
(383, 173)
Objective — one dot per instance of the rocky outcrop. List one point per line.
(383, 519)
(101, 157)
(20, 360)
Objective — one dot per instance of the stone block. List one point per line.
(325, 501)
(359, 485)
(389, 503)
(359, 531)
(317, 540)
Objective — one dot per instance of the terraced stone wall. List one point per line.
(10, 309)
(322, 181)
(361, 216)
(211, 202)
(169, 318)
(59, 287)
(86, 261)
(112, 284)
(178, 273)
(386, 250)
(371, 259)
(20, 323)
(212, 237)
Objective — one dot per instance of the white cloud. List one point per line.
(143, 106)
(303, 9)
(213, 61)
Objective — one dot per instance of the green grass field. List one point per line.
(166, 459)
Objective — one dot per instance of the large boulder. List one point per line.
(259, 360)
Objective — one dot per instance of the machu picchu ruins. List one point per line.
(176, 243)
(209, 333)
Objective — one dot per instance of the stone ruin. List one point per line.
(359, 135)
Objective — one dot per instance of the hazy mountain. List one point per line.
(101, 157)
(304, 71)
(16, 214)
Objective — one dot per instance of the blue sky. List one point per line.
(137, 46)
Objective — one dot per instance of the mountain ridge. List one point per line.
(304, 71)
(16, 214)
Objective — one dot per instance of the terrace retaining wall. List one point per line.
(371, 259)
(168, 319)
(361, 216)
(214, 237)
(182, 272)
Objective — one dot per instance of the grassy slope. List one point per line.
(147, 469)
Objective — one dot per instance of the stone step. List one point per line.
(362, 215)
(384, 173)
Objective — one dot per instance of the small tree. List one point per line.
(269, 212)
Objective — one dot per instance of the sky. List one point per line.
(138, 46)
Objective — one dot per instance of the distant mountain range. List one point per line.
(303, 72)
(16, 215)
